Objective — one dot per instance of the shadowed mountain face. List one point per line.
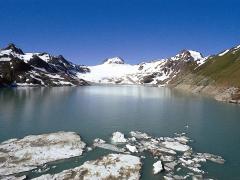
(37, 69)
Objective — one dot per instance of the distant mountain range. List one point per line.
(216, 75)
(157, 72)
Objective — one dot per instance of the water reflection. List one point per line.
(127, 91)
(97, 111)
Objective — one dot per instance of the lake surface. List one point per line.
(98, 111)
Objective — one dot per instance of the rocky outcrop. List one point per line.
(220, 93)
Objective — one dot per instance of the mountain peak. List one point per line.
(114, 60)
(13, 48)
(61, 57)
(196, 55)
(188, 55)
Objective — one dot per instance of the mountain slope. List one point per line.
(37, 69)
(219, 76)
(223, 68)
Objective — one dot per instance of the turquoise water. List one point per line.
(98, 111)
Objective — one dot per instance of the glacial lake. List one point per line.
(98, 111)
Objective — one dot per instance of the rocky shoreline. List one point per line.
(222, 94)
(174, 157)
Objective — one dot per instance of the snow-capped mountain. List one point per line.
(188, 55)
(216, 75)
(43, 69)
(114, 60)
(158, 72)
(26, 69)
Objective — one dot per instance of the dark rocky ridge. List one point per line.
(14, 49)
(16, 68)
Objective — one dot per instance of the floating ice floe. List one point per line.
(131, 148)
(19, 155)
(102, 144)
(157, 167)
(14, 178)
(182, 139)
(176, 146)
(139, 135)
(191, 165)
(112, 166)
(132, 139)
(98, 141)
(167, 158)
(210, 157)
(89, 149)
(176, 177)
(173, 154)
(170, 165)
(118, 137)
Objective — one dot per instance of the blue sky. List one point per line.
(87, 32)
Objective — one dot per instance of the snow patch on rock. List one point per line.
(223, 53)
